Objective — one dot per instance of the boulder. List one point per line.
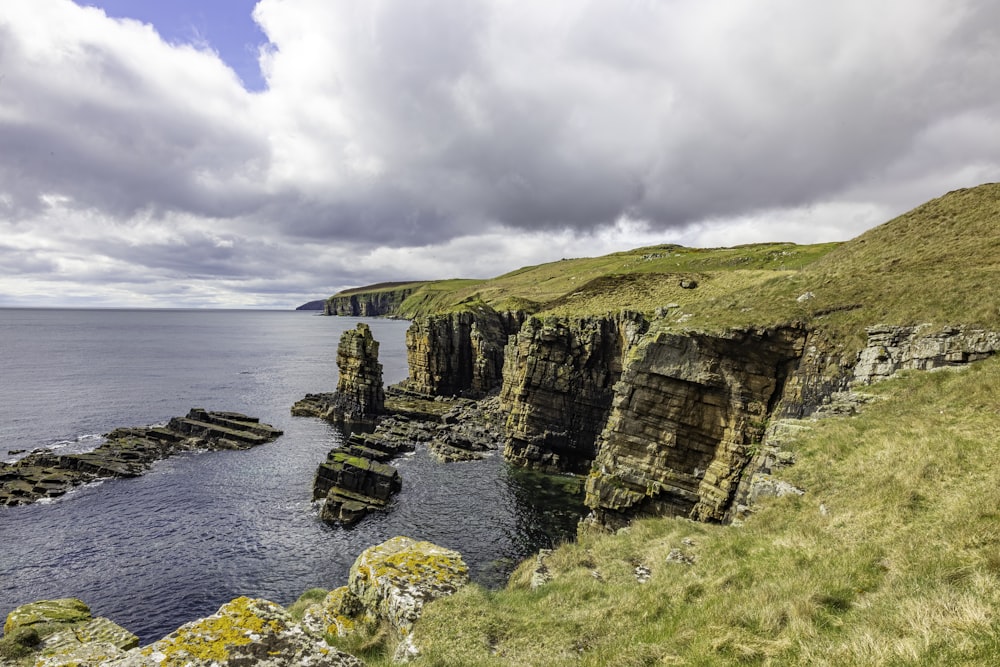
(395, 579)
(245, 631)
(334, 615)
(63, 633)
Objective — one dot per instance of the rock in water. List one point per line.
(129, 452)
(360, 398)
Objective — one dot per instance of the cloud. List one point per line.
(433, 138)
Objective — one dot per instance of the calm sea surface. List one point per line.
(200, 529)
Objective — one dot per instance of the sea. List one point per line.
(200, 529)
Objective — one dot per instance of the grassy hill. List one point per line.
(892, 556)
(937, 263)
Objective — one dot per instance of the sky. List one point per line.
(262, 154)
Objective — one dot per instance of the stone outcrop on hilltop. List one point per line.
(558, 382)
(388, 585)
(128, 452)
(369, 302)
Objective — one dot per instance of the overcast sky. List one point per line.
(242, 154)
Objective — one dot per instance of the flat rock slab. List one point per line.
(128, 452)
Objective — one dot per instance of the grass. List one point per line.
(938, 264)
(892, 557)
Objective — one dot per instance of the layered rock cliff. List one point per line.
(459, 353)
(686, 417)
(369, 302)
(558, 382)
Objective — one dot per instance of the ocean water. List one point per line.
(200, 529)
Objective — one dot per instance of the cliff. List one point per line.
(371, 301)
(458, 353)
(558, 383)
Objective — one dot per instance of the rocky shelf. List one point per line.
(128, 452)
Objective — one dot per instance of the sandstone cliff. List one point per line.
(458, 353)
(558, 382)
(372, 301)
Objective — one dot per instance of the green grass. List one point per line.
(938, 264)
(892, 557)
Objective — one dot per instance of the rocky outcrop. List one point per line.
(62, 632)
(686, 418)
(352, 486)
(359, 398)
(892, 349)
(394, 580)
(558, 383)
(128, 452)
(460, 353)
(369, 302)
(388, 585)
(245, 631)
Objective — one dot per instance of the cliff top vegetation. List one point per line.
(890, 557)
(936, 264)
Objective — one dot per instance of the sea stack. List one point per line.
(360, 398)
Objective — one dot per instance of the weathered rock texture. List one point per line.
(352, 486)
(369, 304)
(394, 580)
(558, 382)
(359, 398)
(893, 349)
(243, 632)
(686, 417)
(128, 452)
(458, 354)
(63, 632)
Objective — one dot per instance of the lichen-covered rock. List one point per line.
(63, 633)
(65, 611)
(335, 615)
(395, 579)
(243, 632)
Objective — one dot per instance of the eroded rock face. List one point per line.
(129, 452)
(243, 632)
(394, 580)
(458, 354)
(558, 384)
(368, 304)
(892, 349)
(686, 417)
(63, 632)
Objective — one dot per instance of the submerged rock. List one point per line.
(128, 452)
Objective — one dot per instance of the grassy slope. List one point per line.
(891, 557)
(938, 264)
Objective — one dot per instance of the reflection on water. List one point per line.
(200, 529)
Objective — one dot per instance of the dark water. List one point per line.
(198, 530)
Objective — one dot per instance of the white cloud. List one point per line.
(429, 138)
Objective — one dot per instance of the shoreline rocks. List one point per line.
(389, 584)
(128, 452)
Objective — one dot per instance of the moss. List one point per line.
(212, 638)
